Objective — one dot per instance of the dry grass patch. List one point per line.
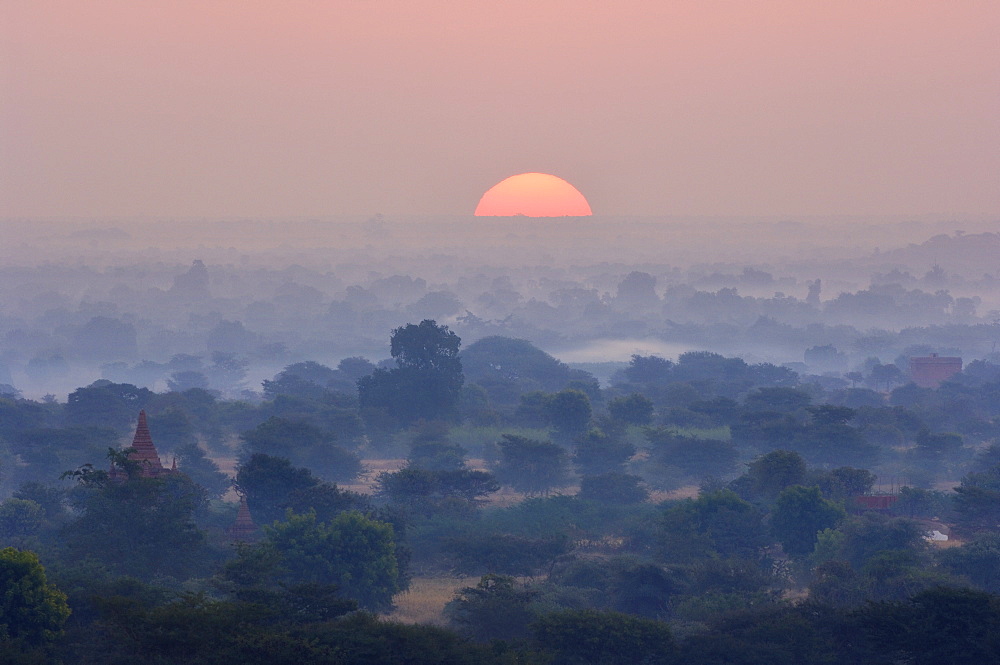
(424, 601)
(365, 483)
(686, 492)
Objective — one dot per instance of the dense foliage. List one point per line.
(699, 511)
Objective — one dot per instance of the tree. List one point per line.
(827, 439)
(843, 483)
(426, 382)
(799, 514)
(173, 429)
(977, 501)
(504, 553)
(188, 379)
(569, 412)
(495, 609)
(716, 524)
(20, 518)
(273, 486)
(637, 290)
(530, 465)
(864, 536)
(355, 553)
(502, 362)
(135, 525)
(307, 379)
(769, 474)
(51, 499)
(977, 560)
(648, 369)
(201, 469)
(590, 637)
(938, 625)
(304, 444)
(106, 404)
(431, 449)
(355, 367)
(886, 376)
(426, 346)
(697, 458)
(644, 589)
(937, 447)
(31, 609)
(45, 452)
(919, 502)
(633, 409)
(777, 399)
(613, 488)
(597, 452)
(428, 491)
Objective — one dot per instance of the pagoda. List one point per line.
(243, 529)
(143, 453)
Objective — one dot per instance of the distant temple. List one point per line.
(243, 529)
(931, 371)
(144, 454)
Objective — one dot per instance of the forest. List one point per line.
(488, 503)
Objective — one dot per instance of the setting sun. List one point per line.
(533, 195)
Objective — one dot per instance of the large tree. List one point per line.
(582, 637)
(426, 382)
(305, 445)
(351, 551)
(530, 465)
(31, 609)
(273, 486)
(137, 526)
(799, 514)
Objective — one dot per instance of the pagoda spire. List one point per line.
(144, 451)
(243, 529)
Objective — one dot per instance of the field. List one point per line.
(425, 600)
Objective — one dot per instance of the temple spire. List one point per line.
(243, 529)
(145, 452)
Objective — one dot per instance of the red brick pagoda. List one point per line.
(144, 454)
(243, 529)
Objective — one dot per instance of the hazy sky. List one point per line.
(210, 108)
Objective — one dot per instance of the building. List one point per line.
(143, 452)
(931, 371)
(243, 529)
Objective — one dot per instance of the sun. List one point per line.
(533, 195)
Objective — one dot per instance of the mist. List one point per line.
(89, 299)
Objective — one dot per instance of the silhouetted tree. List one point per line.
(530, 465)
(426, 382)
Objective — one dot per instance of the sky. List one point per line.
(213, 108)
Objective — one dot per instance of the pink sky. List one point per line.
(219, 109)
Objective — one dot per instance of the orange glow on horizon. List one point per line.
(533, 195)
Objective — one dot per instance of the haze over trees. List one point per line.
(391, 430)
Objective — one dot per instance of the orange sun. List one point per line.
(533, 195)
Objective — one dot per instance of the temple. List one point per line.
(243, 529)
(144, 453)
